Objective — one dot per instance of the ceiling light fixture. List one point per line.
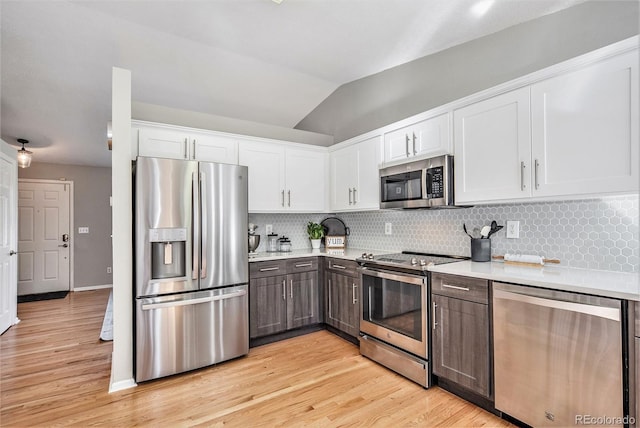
(481, 7)
(24, 156)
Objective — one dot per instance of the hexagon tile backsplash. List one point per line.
(594, 233)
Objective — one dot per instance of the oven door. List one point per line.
(394, 309)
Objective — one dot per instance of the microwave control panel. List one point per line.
(435, 182)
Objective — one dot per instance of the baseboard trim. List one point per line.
(92, 287)
(122, 385)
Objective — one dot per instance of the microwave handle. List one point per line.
(426, 183)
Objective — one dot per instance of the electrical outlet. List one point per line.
(387, 229)
(108, 269)
(83, 230)
(513, 229)
(268, 229)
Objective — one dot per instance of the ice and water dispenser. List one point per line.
(168, 253)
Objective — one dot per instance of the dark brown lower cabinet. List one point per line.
(282, 302)
(343, 307)
(460, 327)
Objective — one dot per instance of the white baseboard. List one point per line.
(122, 385)
(92, 287)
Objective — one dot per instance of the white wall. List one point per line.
(122, 357)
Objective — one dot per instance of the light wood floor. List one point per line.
(55, 372)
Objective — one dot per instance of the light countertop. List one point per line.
(346, 253)
(620, 285)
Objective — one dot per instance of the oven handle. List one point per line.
(400, 277)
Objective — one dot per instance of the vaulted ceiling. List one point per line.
(254, 60)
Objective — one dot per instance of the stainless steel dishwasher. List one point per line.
(557, 356)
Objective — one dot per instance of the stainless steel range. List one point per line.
(395, 310)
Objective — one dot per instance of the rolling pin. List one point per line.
(526, 259)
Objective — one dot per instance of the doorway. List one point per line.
(45, 247)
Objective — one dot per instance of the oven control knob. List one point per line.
(414, 261)
(370, 256)
(364, 256)
(423, 262)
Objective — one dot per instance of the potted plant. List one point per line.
(315, 232)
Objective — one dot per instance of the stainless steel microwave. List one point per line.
(426, 183)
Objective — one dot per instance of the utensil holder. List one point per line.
(480, 250)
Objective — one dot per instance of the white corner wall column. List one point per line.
(122, 356)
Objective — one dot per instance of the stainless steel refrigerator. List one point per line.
(191, 267)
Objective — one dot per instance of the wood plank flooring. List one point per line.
(55, 371)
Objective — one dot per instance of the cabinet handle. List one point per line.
(284, 289)
(338, 266)
(300, 265)
(354, 288)
(289, 196)
(406, 144)
(193, 146)
(186, 156)
(522, 167)
(329, 298)
(283, 197)
(350, 190)
(455, 287)
(355, 200)
(291, 288)
(536, 164)
(414, 144)
(434, 315)
(269, 269)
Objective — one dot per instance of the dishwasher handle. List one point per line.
(193, 301)
(598, 311)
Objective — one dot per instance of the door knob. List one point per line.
(11, 253)
(63, 245)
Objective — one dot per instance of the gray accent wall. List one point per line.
(400, 92)
(92, 189)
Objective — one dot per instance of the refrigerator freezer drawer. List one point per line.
(182, 332)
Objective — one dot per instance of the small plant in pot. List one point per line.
(315, 232)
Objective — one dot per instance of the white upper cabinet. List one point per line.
(430, 137)
(186, 144)
(573, 134)
(493, 149)
(354, 176)
(585, 129)
(284, 179)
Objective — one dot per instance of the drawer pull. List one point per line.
(455, 287)
(300, 265)
(269, 269)
(338, 266)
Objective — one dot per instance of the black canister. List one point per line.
(480, 249)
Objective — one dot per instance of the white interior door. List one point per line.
(8, 228)
(43, 252)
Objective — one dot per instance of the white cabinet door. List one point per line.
(585, 129)
(430, 137)
(266, 163)
(354, 176)
(366, 194)
(492, 140)
(344, 176)
(214, 148)
(163, 143)
(305, 180)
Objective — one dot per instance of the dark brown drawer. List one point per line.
(345, 267)
(638, 325)
(270, 268)
(304, 264)
(461, 287)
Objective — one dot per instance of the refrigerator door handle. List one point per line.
(194, 301)
(204, 220)
(195, 226)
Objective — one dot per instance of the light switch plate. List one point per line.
(83, 230)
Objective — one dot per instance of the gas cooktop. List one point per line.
(408, 260)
